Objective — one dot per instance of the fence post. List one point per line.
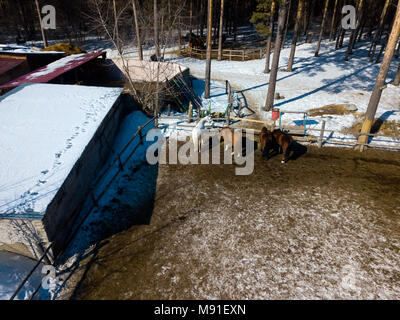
(228, 111)
(243, 55)
(226, 86)
(140, 133)
(229, 95)
(169, 109)
(190, 113)
(321, 136)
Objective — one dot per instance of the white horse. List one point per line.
(196, 133)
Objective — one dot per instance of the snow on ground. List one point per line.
(13, 48)
(13, 269)
(45, 128)
(314, 83)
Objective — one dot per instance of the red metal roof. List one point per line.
(6, 64)
(53, 70)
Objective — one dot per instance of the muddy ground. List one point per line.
(324, 226)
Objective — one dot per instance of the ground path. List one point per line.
(324, 226)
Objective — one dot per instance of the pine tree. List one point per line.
(380, 81)
(277, 51)
(295, 35)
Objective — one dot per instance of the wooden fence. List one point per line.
(227, 54)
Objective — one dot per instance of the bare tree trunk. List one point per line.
(277, 51)
(310, 10)
(116, 32)
(396, 81)
(295, 35)
(353, 35)
(269, 41)
(378, 31)
(139, 44)
(287, 24)
(321, 33)
(380, 81)
(208, 55)
(333, 20)
(41, 24)
(156, 35)
(221, 27)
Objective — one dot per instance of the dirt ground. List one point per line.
(325, 226)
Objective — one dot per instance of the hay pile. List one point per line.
(64, 47)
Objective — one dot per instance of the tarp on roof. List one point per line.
(53, 70)
(7, 64)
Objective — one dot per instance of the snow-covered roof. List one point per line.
(54, 69)
(148, 71)
(44, 130)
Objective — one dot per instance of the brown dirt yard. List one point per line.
(325, 226)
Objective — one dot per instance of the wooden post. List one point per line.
(221, 26)
(229, 94)
(41, 24)
(190, 113)
(321, 136)
(169, 109)
(228, 112)
(396, 81)
(208, 55)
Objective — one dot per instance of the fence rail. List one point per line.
(227, 54)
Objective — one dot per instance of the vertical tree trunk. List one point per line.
(379, 30)
(116, 30)
(45, 44)
(380, 81)
(221, 27)
(139, 44)
(333, 20)
(396, 81)
(208, 56)
(190, 19)
(156, 35)
(353, 34)
(287, 24)
(277, 51)
(310, 12)
(295, 35)
(269, 41)
(321, 33)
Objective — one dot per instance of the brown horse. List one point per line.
(229, 138)
(277, 140)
